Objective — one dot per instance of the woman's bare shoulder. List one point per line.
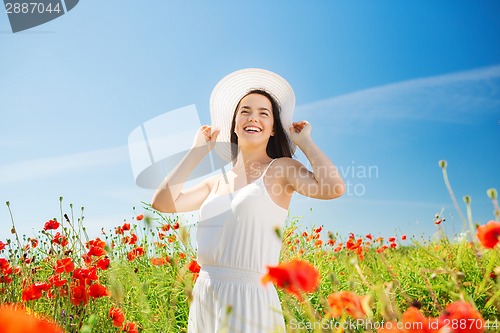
(287, 162)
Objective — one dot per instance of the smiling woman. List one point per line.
(240, 213)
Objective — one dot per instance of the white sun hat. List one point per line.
(232, 88)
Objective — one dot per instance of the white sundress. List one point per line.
(237, 239)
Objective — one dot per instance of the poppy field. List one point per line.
(139, 277)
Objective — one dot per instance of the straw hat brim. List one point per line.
(232, 88)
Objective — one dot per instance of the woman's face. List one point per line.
(254, 119)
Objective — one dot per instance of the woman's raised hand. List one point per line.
(300, 131)
(205, 137)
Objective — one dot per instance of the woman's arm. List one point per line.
(325, 182)
(169, 197)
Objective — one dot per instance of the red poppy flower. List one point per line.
(78, 295)
(130, 327)
(117, 316)
(2, 245)
(98, 290)
(134, 253)
(165, 227)
(64, 265)
(4, 265)
(194, 267)
(119, 230)
(296, 277)
(318, 230)
(126, 226)
(95, 242)
(133, 239)
(84, 274)
(56, 281)
(369, 236)
(15, 319)
(415, 322)
(403, 237)
(382, 248)
(348, 302)
(176, 226)
(139, 217)
(31, 293)
(489, 234)
(159, 261)
(350, 245)
(51, 225)
(103, 263)
(463, 312)
(34, 242)
(96, 251)
(60, 239)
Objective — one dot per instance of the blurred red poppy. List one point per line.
(489, 234)
(159, 261)
(15, 319)
(134, 253)
(465, 313)
(117, 316)
(130, 327)
(296, 277)
(348, 302)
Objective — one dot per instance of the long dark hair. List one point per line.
(278, 145)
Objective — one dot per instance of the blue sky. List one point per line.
(389, 87)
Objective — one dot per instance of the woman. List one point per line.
(251, 113)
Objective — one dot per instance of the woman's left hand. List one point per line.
(300, 131)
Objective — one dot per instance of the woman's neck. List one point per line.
(246, 159)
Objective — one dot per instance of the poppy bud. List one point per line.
(442, 164)
(467, 199)
(492, 193)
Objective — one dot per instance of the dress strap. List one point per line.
(268, 167)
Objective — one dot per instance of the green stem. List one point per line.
(14, 231)
(452, 195)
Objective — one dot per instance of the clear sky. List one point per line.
(390, 88)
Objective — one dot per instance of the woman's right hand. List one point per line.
(205, 137)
